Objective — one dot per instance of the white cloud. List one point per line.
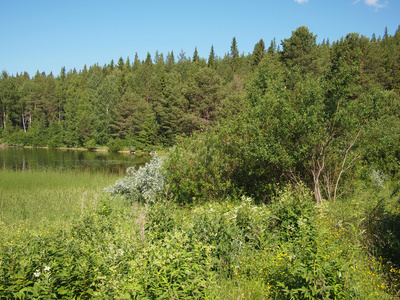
(375, 3)
(301, 1)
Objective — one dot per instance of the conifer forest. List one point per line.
(150, 103)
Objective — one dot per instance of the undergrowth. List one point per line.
(288, 249)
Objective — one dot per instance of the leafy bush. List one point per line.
(172, 268)
(17, 138)
(293, 212)
(91, 144)
(197, 171)
(161, 218)
(144, 184)
(115, 145)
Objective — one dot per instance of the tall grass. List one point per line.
(40, 198)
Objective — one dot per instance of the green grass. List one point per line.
(39, 198)
(53, 247)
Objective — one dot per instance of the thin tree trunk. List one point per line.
(343, 168)
(23, 121)
(317, 191)
(316, 171)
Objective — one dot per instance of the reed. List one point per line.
(39, 198)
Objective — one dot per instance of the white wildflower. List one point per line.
(46, 268)
(302, 222)
(37, 273)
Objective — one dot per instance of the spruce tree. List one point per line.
(258, 53)
(234, 55)
(195, 55)
(211, 58)
(121, 63)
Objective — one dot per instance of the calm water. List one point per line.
(51, 159)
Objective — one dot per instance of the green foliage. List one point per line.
(197, 171)
(294, 213)
(152, 102)
(382, 136)
(218, 250)
(258, 53)
(300, 50)
(91, 144)
(173, 267)
(115, 145)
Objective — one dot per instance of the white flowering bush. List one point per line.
(143, 184)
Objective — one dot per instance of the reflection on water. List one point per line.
(42, 159)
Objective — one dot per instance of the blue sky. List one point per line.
(46, 35)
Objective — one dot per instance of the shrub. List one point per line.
(115, 145)
(197, 171)
(172, 268)
(294, 211)
(90, 144)
(144, 184)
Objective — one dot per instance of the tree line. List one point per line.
(143, 104)
(325, 115)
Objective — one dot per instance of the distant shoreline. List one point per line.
(76, 149)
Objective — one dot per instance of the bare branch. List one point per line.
(343, 169)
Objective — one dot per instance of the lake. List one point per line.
(55, 159)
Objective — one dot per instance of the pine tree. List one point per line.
(170, 61)
(258, 53)
(129, 116)
(299, 50)
(234, 55)
(195, 55)
(182, 57)
(121, 63)
(386, 33)
(136, 62)
(211, 58)
(127, 66)
(272, 47)
(148, 61)
(147, 136)
(111, 65)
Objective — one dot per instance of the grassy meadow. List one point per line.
(62, 238)
(40, 198)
